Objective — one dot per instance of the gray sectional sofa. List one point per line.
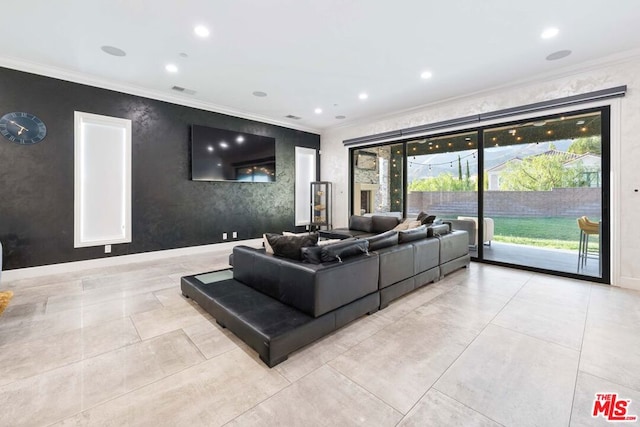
(278, 305)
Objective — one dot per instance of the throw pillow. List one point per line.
(328, 242)
(289, 246)
(340, 251)
(422, 215)
(413, 234)
(379, 241)
(428, 219)
(267, 246)
(407, 225)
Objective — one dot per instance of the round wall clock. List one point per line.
(22, 128)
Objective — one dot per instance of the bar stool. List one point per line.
(587, 228)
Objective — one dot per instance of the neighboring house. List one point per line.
(591, 162)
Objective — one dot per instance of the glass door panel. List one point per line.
(378, 180)
(442, 179)
(543, 196)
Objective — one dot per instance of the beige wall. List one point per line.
(625, 144)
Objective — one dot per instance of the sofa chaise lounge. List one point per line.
(278, 305)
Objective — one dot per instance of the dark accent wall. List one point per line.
(169, 210)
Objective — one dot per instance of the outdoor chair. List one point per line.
(587, 228)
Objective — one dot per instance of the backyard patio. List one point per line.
(538, 257)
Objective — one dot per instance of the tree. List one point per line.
(443, 182)
(590, 144)
(542, 173)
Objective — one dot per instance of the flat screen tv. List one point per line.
(225, 155)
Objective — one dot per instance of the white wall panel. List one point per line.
(102, 180)
(305, 174)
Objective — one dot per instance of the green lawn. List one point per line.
(559, 233)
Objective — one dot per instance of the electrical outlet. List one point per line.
(107, 249)
(224, 236)
(235, 234)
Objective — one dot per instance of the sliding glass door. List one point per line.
(532, 193)
(544, 196)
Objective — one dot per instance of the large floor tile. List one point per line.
(125, 278)
(40, 294)
(407, 303)
(68, 320)
(313, 356)
(211, 393)
(563, 325)
(556, 291)
(514, 379)
(211, 339)
(437, 409)
(488, 279)
(583, 404)
(611, 350)
(63, 392)
(614, 305)
(322, 398)
(23, 360)
(464, 308)
(401, 362)
(166, 319)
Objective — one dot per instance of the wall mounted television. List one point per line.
(225, 155)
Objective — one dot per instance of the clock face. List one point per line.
(22, 128)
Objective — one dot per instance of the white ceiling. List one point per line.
(306, 54)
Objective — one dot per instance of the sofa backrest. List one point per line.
(361, 223)
(381, 223)
(314, 289)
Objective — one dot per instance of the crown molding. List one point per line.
(567, 71)
(90, 80)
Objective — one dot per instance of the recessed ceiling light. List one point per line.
(549, 33)
(341, 117)
(363, 96)
(224, 144)
(210, 148)
(538, 124)
(240, 139)
(184, 55)
(426, 75)
(259, 94)
(172, 68)
(559, 55)
(318, 111)
(580, 122)
(111, 50)
(201, 31)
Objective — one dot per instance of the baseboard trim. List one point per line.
(26, 273)
(628, 283)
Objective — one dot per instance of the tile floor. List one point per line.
(486, 346)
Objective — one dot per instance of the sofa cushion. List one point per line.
(429, 219)
(388, 238)
(361, 223)
(265, 243)
(344, 249)
(381, 223)
(289, 246)
(413, 234)
(407, 224)
(311, 254)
